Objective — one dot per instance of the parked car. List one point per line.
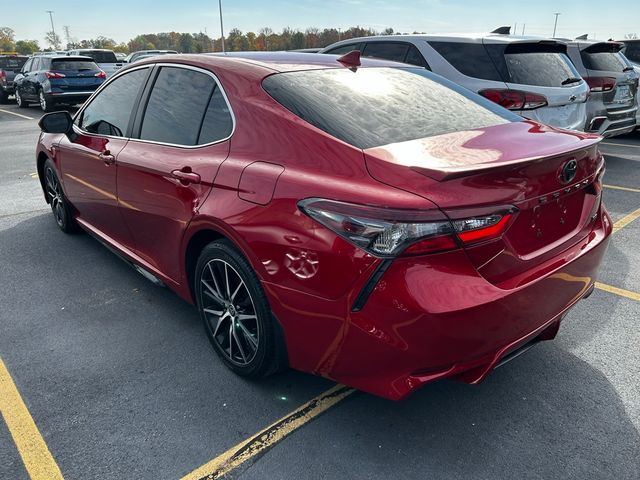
(10, 65)
(132, 57)
(612, 106)
(528, 75)
(105, 59)
(121, 56)
(52, 81)
(370, 222)
(54, 53)
(631, 50)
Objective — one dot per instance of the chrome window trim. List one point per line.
(224, 95)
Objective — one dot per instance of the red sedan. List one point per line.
(366, 221)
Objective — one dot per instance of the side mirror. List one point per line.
(56, 122)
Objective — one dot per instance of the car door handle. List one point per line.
(186, 176)
(107, 158)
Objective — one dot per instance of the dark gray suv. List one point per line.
(612, 104)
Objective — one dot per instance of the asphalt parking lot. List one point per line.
(104, 375)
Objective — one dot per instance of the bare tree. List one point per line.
(53, 39)
(631, 36)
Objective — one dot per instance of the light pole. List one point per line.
(221, 27)
(50, 12)
(555, 25)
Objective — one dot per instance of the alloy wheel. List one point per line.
(54, 192)
(18, 98)
(43, 102)
(229, 311)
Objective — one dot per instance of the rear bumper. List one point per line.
(610, 122)
(434, 317)
(69, 97)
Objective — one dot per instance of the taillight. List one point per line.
(101, 74)
(3, 75)
(389, 232)
(601, 84)
(514, 99)
(54, 75)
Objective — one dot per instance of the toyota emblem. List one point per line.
(568, 171)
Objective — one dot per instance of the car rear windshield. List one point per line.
(371, 107)
(632, 51)
(12, 63)
(73, 65)
(544, 69)
(101, 57)
(604, 57)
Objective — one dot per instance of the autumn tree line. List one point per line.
(235, 40)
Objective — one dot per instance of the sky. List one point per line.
(122, 20)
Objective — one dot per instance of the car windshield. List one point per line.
(371, 107)
(73, 65)
(544, 69)
(12, 63)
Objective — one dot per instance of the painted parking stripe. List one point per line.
(626, 220)
(625, 189)
(35, 454)
(629, 145)
(618, 291)
(16, 114)
(267, 438)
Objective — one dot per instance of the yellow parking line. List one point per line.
(16, 114)
(626, 189)
(34, 452)
(626, 220)
(271, 435)
(618, 291)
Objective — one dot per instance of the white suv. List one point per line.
(529, 75)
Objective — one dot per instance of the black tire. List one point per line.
(268, 354)
(46, 105)
(4, 97)
(59, 204)
(20, 101)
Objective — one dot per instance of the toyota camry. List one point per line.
(364, 220)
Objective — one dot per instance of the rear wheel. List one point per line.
(4, 97)
(20, 101)
(235, 312)
(45, 104)
(59, 204)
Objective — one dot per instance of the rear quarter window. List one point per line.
(470, 59)
(378, 106)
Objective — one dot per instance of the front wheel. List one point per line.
(4, 96)
(236, 314)
(20, 101)
(59, 204)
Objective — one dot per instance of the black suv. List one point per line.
(53, 80)
(10, 65)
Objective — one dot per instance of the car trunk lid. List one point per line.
(522, 165)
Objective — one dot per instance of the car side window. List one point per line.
(394, 51)
(177, 106)
(217, 123)
(110, 111)
(414, 57)
(342, 49)
(470, 59)
(35, 66)
(27, 66)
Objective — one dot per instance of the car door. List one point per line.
(28, 87)
(20, 81)
(166, 172)
(89, 156)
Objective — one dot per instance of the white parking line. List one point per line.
(16, 114)
(621, 145)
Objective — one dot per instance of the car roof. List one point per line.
(65, 57)
(452, 37)
(295, 61)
